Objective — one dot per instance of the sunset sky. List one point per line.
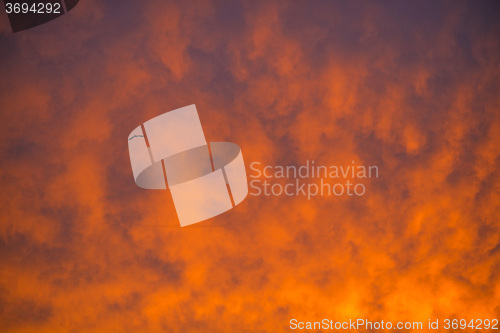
(411, 87)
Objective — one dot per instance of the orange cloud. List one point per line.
(410, 88)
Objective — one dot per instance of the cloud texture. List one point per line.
(411, 88)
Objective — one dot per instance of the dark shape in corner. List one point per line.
(39, 12)
(70, 4)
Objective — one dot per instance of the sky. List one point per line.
(411, 87)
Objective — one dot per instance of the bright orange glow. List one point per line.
(411, 90)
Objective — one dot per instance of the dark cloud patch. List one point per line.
(24, 313)
(408, 87)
